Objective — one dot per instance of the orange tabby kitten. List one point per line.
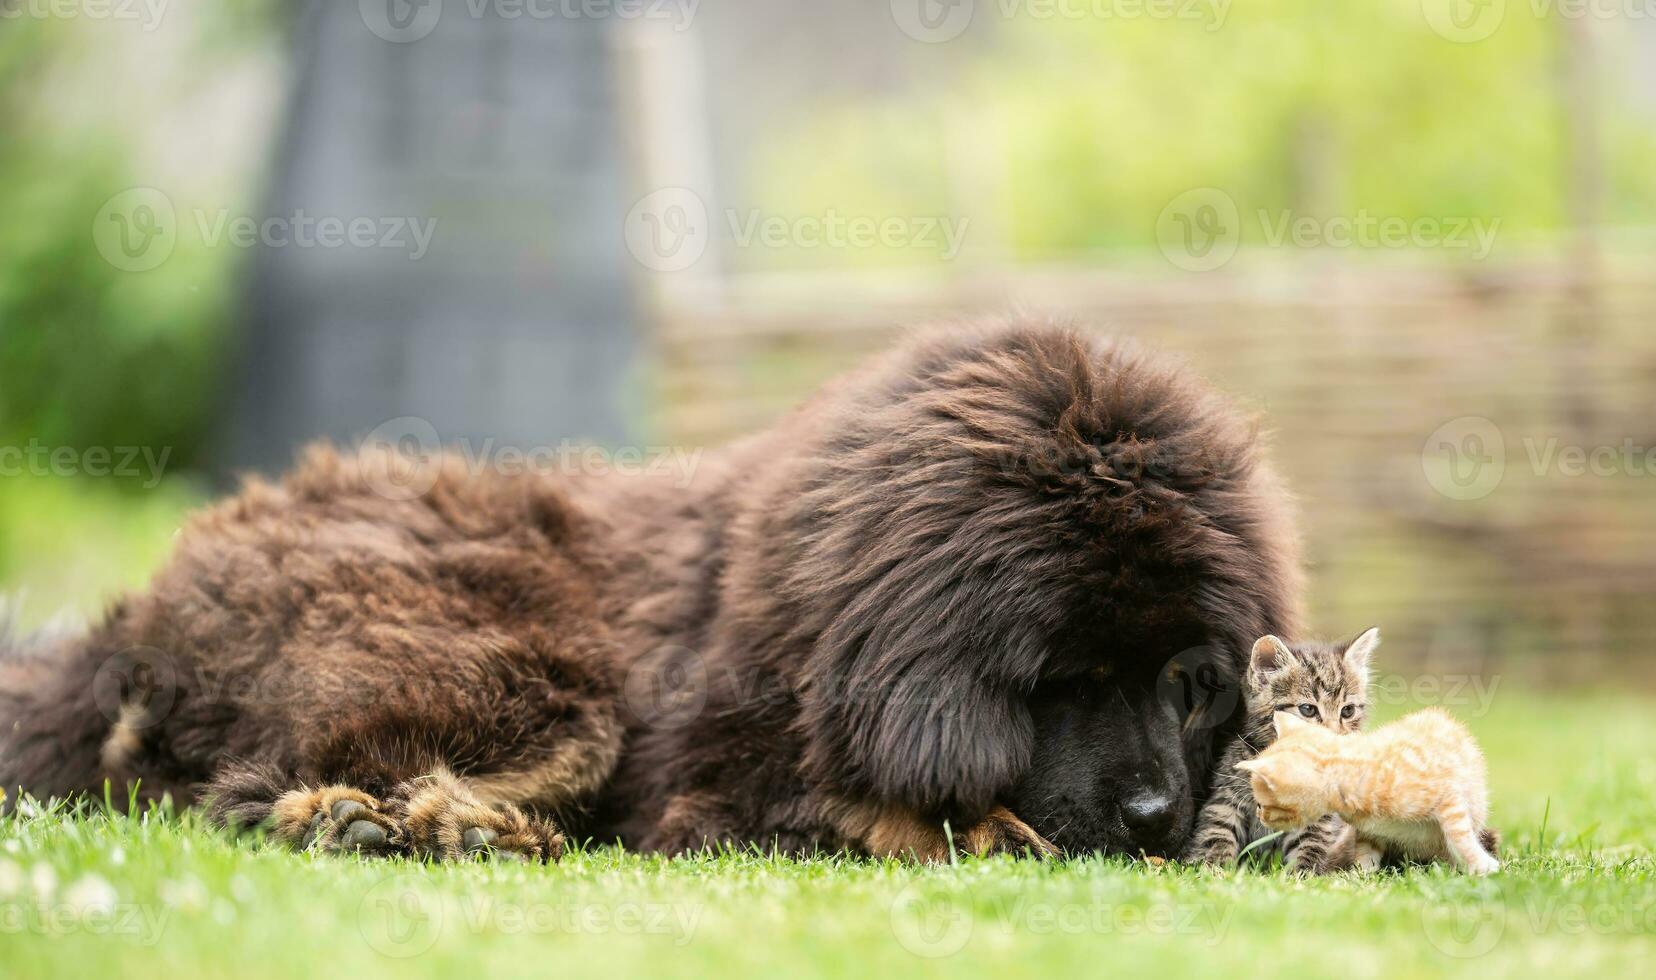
(1414, 788)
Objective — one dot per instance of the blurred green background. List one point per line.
(1062, 146)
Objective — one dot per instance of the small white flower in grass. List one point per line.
(91, 894)
(117, 857)
(11, 879)
(43, 882)
(188, 894)
(13, 846)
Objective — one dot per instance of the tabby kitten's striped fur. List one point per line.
(1324, 684)
(1414, 789)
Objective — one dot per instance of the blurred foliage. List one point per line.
(91, 355)
(1083, 129)
(119, 538)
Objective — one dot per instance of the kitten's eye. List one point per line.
(1349, 711)
(1308, 710)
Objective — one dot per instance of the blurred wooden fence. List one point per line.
(1357, 369)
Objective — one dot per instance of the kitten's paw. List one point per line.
(1366, 857)
(1216, 847)
(1483, 865)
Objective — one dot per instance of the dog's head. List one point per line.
(1109, 771)
(999, 545)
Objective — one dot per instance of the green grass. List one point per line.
(158, 895)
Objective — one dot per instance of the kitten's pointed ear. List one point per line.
(1269, 655)
(1357, 655)
(1287, 723)
(1259, 769)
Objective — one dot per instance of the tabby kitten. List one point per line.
(1414, 789)
(1324, 684)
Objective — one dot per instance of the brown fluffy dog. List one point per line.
(954, 588)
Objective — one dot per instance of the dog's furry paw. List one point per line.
(335, 819)
(444, 820)
(1002, 833)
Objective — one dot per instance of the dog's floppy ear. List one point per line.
(916, 713)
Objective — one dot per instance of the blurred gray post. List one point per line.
(517, 323)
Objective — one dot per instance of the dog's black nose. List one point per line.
(1148, 815)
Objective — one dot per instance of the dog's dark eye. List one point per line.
(1349, 711)
(1308, 710)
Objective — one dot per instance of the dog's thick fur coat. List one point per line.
(830, 640)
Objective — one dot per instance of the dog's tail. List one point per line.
(52, 732)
